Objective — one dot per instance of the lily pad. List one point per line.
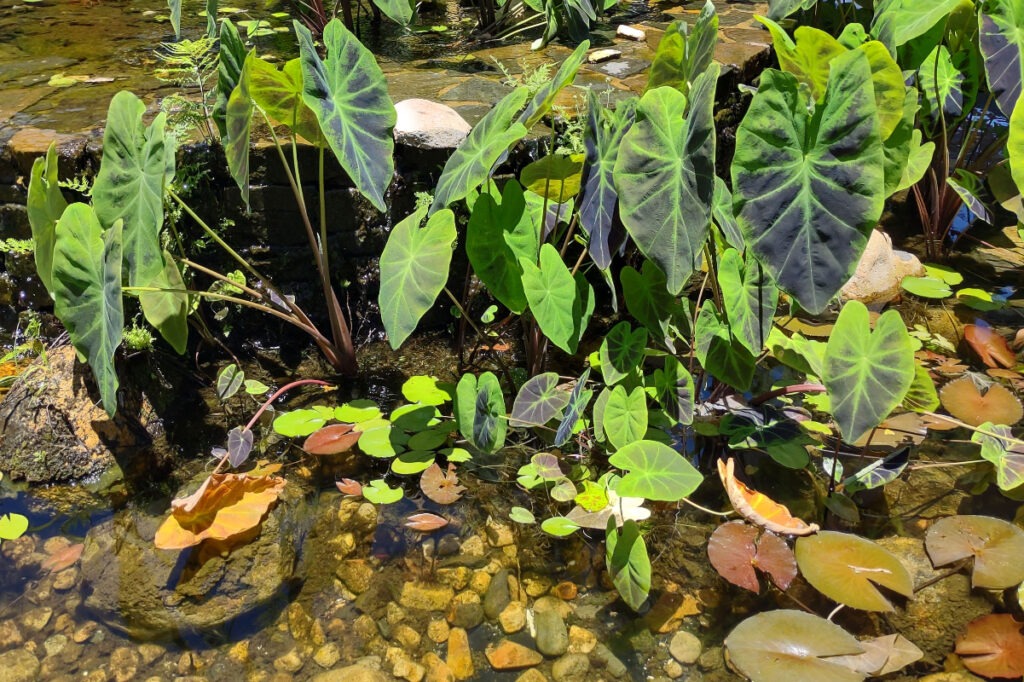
(993, 646)
(997, 548)
(974, 405)
(656, 472)
(737, 548)
(848, 569)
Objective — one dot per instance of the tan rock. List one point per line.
(291, 662)
(668, 612)
(513, 617)
(239, 652)
(437, 669)
(532, 675)
(460, 656)
(581, 640)
(426, 596)
(355, 574)
(406, 636)
(429, 125)
(438, 630)
(499, 533)
(876, 281)
(507, 655)
(327, 655)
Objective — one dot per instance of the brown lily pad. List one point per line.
(990, 346)
(331, 440)
(976, 404)
(997, 548)
(993, 646)
(737, 548)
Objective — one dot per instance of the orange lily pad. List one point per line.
(225, 506)
(847, 569)
(331, 440)
(737, 548)
(441, 486)
(993, 646)
(758, 508)
(975, 405)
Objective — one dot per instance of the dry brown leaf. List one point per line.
(758, 508)
(440, 486)
(882, 655)
(225, 506)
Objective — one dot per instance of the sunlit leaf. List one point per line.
(847, 568)
(349, 487)
(621, 352)
(749, 298)
(737, 548)
(239, 445)
(441, 486)
(579, 398)
(621, 509)
(357, 411)
(229, 380)
(554, 299)
(990, 346)
(996, 546)
(426, 522)
(656, 472)
(879, 473)
(539, 401)
(425, 390)
(625, 416)
(13, 526)
(759, 508)
(973, 404)
(926, 287)
(555, 176)
(675, 390)
(1004, 451)
(62, 558)
(331, 440)
(521, 515)
(559, 526)
(480, 411)
(627, 562)
(379, 492)
(45, 205)
(298, 423)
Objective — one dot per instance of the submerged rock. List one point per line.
(19, 666)
(148, 593)
(429, 125)
(879, 273)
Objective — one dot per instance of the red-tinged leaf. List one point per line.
(737, 548)
(63, 558)
(426, 522)
(758, 508)
(975, 402)
(225, 507)
(990, 346)
(993, 646)
(440, 486)
(331, 440)
(349, 487)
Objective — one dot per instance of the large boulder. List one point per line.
(148, 593)
(879, 273)
(429, 125)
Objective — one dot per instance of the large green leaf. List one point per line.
(648, 300)
(911, 18)
(906, 158)
(543, 98)
(555, 177)
(848, 568)
(279, 95)
(866, 374)
(230, 57)
(809, 186)
(680, 57)
(941, 85)
(480, 411)
(1001, 39)
(624, 420)
(719, 351)
(45, 205)
(167, 309)
(554, 301)
(137, 164)
(749, 297)
(656, 472)
(602, 138)
(621, 352)
(413, 271)
(401, 12)
(349, 95)
(628, 563)
(238, 124)
(498, 235)
(87, 292)
(539, 401)
(665, 176)
(471, 164)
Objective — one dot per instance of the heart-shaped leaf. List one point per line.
(239, 445)
(557, 177)
(627, 562)
(559, 526)
(993, 646)
(45, 205)
(230, 58)
(803, 181)
(749, 298)
(238, 130)
(999, 446)
(737, 548)
(846, 568)
(543, 98)
(665, 176)
(167, 308)
(625, 416)
(719, 351)
(674, 389)
(1001, 39)
(648, 300)
(413, 271)
(996, 546)
(480, 411)
(87, 292)
(680, 57)
(552, 294)
(621, 352)
(331, 440)
(348, 93)
(785, 645)
(379, 492)
(412, 462)
(497, 236)
(229, 380)
(279, 95)
(973, 404)
(866, 374)
(656, 472)
(539, 401)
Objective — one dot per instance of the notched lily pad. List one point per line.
(848, 569)
(737, 548)
(975, 402)
(993, 646)
(997, 548)
(331, 440)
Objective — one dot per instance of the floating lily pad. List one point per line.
(997, 548)
(847, 568)
(975, 402)
(737, 548)
(993, 646)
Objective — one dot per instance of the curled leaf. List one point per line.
(758, 508)
(426, 522)
(990, 346)
(331, 440)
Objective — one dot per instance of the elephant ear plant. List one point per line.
(88, 256)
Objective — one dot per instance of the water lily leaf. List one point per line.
(379, 492)
(357, 411)
(719, 351)
(995, 545)
(382, 441)
(137, 164)
(557, 177)
(553, 297)
(825, 171)
(656, 472)
(979, 299)
(1004, 451)
(298, 423)
(757, 507)
(425, 390)
(867, 374)
(87, 292)
(558, 526)
(228, 505)
(975, 405)
(993, 646)
(497, 236)
(429, 439)
(239, 445)
(279, 94)
(13, 526)
(1001, 27)
(602, 139)
(471, 164)
(521, 515)
(736, 548)
(441, 486)
(229, 380)
(621, 352)
(749, 298)
(682, 56)
(412, 462)
(349, 487)
(625, 416)
(847, 568)
(480, 411)
(331, 440)
(990, 346)
(882, 655)
(425, 522)
(348, 93)
(579, 398)
(413, 271)
(776, 646)
(665, 176)
(539, 401)
(627, 562)
(457, 455)
(45, 205)
(926, 287)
